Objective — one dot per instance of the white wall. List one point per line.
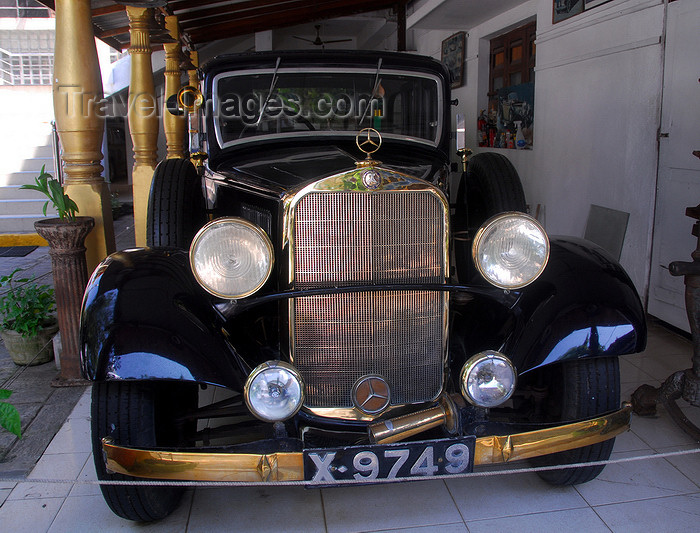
(597, 105)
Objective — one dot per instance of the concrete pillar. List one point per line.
(78, 101)
(143, 116)
(173, 125)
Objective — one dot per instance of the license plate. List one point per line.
(390, 461)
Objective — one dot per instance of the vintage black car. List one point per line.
(312, 308)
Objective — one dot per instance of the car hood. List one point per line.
(284, 169)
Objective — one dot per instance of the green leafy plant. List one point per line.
(46, 184)
(9, 416)
(25, 306)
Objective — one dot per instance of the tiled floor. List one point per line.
(655, 495)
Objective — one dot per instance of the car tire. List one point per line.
(490, 186)
(138, 415)
(176, 209)
(588, 387)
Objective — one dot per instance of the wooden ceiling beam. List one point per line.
(266, 8)
(102, 34)
(226, 26)
(198, 5)
(107, 10)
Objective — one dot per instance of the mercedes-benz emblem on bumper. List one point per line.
(371, 394)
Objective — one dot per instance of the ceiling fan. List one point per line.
(318, 41)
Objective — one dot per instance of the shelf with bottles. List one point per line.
(509, 121)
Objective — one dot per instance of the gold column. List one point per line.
(192, 74)
(173, 125)
(143, 116)
(78, 101)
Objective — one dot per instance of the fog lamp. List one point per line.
(488, 379)
(511, 250)
(274, 391)
(231, 257)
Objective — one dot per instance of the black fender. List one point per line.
(145, 317)
(583, 305)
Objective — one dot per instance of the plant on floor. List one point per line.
(25, 306)
(46, 184)
(9, 416)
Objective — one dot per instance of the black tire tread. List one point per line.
(125, 412)
(492, 186)
(590, 387)
(175, 205)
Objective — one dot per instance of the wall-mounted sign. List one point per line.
(564, 9)
(453, 57)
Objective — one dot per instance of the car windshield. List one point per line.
(283, 103)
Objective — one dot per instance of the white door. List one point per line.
(679, 169)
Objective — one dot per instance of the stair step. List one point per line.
(20, 177)
(23, 206)
(13, 192)
(18, 223)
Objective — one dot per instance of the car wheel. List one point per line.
(176, 208)
(139, 415)
(582, 389)
(490, 186)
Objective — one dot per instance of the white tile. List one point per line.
(555, 522)
(86, 474)
(629, 373)
(29, 516)
(88, 514)
(673, 514)
(662, 341)
(688, 465)
(384, 506)
(274, 509)
(74, 436)
(82, 408)
(629, 442)
(509, 495)
(659, 431)
(438, 528)
(64, 466)
(635, 480)
(660, 366)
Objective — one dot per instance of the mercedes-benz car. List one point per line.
(316, 306)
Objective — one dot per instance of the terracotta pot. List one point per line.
(69, 268)
(31, 351)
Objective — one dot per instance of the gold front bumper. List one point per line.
(289, 466)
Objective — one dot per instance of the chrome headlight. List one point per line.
(231, 257)
(274, 391)
(487, 379)
(511, 250)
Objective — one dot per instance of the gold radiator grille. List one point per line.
(346, 239)
(353, 238)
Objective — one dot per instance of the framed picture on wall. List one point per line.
(453, 57)
(564, 9)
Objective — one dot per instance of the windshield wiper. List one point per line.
(273, 83)
(377, 83)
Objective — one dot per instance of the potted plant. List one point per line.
(66, 237)
(27, 320)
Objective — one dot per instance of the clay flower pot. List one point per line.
(34, 350)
